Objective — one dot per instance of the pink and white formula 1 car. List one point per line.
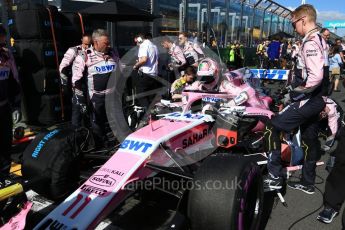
(216, 152)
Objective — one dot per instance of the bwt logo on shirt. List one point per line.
(105, 68)
(135, 145)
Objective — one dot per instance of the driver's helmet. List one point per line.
(208, 73)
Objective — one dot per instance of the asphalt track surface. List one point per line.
(301, 204)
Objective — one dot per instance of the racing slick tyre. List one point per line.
(228, 194)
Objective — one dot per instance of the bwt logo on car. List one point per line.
(42, 143)
(135, 145)
(102, 180)
(270, 74)
(104, 69)
(187, 116)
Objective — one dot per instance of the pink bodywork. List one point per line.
(106, 188)
(18, 221)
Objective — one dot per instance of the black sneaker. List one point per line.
(273, 183)
(309, 189)
(326, 215)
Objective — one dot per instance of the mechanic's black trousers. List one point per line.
(335, 184)
(307, 118)
(5, 138)
(100, 125)
(145, 83)
(76, 113)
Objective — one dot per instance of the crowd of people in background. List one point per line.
(279, 53)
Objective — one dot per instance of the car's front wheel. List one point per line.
(227, 194)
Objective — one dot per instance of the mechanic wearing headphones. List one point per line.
(9, 102)
(306, 93)
(147, 67)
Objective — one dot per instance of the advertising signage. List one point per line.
(334, 24)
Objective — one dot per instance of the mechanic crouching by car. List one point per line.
(306, 93)
(101, 63)
(9, 102)
(183, 82)
(66, 62)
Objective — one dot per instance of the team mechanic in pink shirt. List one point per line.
(66, 62)
(307, 91)
(332, 115)
(100, 62)
(191, 50)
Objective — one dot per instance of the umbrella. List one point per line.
(280, 35)
(116, 11)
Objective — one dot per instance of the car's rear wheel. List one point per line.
(227, 194)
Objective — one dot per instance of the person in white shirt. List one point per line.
(148, 56)
(147, 67)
